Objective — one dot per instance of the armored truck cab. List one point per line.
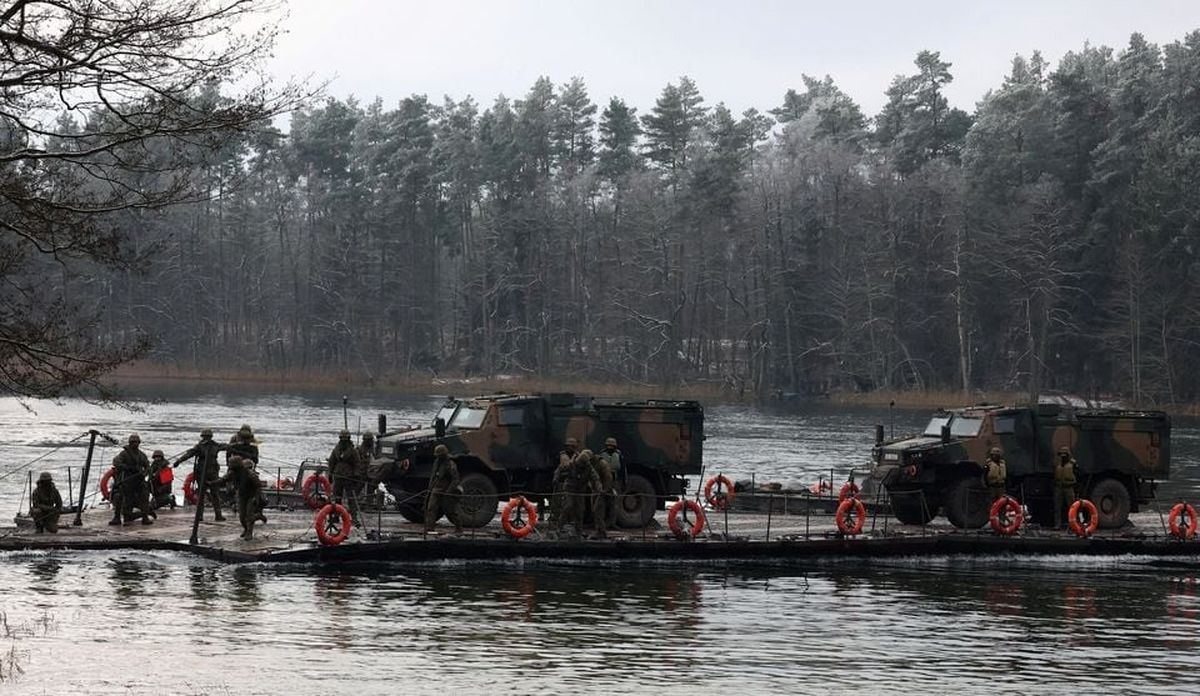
(1119, 454)
(506, 444)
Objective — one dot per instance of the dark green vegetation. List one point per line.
(1120, 454)
(509, 444)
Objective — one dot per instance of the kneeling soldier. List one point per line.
(45, 505)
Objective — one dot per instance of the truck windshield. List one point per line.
(960, 426)
(934, 429)
(468, 417)
(446, 412)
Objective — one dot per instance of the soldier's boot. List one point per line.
(116, 520)
(38, 529)
(216, 506)
(146, 517)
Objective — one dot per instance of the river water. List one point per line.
(142, 623)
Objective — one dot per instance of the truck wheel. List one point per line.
(1113, 503)
(910, 507)
(635, 503)
(967, 505)
(477, 506)
(410, 505)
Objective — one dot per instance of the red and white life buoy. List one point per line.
(850, 516)
(106, 483)
(722, 496)
(189, 488)
(1090, 521)
(315, 499)
(1182, 521)
(1006, 516)
(675, 524)
(849, 490)
(518, 528)
(333, 524)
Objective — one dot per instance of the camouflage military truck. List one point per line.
(1119, 455)
(509, 443)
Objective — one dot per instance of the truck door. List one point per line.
(1018, 439)
(522, 431)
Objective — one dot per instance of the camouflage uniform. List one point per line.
(996, 475)
(579, 484)
(559, 503)
(250, 500)
(160, 493)
(114, 496)
(443, 483)
(344, 466)
(242, 445)
(45, 505)
(608, 466)
(1064, 484)
(205, 454)
(366, 452)
(132, 468)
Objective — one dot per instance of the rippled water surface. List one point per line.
(160, 623)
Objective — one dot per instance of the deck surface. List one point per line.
(289, 537)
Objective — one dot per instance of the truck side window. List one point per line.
(1005, 424)
(512, 415)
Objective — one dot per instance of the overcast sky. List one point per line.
(745, 53)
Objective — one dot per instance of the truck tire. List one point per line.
(410, 505)
(635, 503)
(1113, 502)
(477, 506)
(910, 507)
(967, 504)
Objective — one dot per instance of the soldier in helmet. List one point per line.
(578, 485)
(608, 466)
(559, 506)
(344, 466)
(250, 501)
(45, 505)
(996, 473)
(206, 469)
(442, 497)
(132, 468)
(160, 481)
(243, 445)
(366, 452)
(1064, 484)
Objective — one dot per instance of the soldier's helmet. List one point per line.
(585, 455)
(245, 432)
(441, 451)
(45, 476)
(610, 442)
(344, 435)
(571, 442)
(135, 439)
(206, 434)
(995, 450)
(237, 461)
(158, 454)
(368, 435)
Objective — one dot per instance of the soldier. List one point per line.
(997, 473)
(205, 454)
(243, 445)
(132, 468)
(114, 497)
(250, 499)
(366, 452)
(344, 466)
(609, 458)
(560, 503)
(577, 483)
(45, 505)
(1064, 484)
(443, 485)
(160, 482)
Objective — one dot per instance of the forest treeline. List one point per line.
(1045, 242)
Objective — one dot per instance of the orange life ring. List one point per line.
(527, 525)
(1011, 509)
(844, 525)
(1186, 531)
(314, 500)
(325, 526)
(849, 490)
(106, 481)
(189, 488)
(676, 526)
(1083, 529)
(722, 498)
